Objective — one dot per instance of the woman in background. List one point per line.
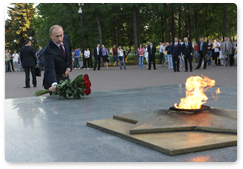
(105, 56)
(146, 55)
(86, 58)
(121, 57)
(141, 55)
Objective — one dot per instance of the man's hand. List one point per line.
(179, 56)
(191, 53)
(66, 73)
(53, 88)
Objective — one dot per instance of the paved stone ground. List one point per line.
(115, 79)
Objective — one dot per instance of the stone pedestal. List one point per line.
(174, 132)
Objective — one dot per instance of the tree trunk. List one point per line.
(172, 23)
(179, 24)
(135, 32)
(186, 26)
(189, 28)
(138, 34)
(162, 29)
(115, 26)
(225, 18)
(196, 26)
(99, 29)
(166, 21)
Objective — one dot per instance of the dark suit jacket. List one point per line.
(95, 52)
(186, 50)
(175, 50)
(153, 50)
(204, 48)
(55, 62)
(27, 56)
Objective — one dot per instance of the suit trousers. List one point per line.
(151, 59)
(202, 57)
(226, 59)
(176, 63)
(97, 59)
(27, 76)
(189, 58)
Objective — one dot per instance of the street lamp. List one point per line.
(82, 25)
(15, 41)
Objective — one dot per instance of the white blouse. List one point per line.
(86, 53)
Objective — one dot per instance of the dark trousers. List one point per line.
(176, 63)
(216, 58)
(161, 58)
(97, 59)
(11, 63)
(189, 58)
(86, 60)
(27, 76)
(202, 57)
(152, 59)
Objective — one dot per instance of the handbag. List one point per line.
(37, 71)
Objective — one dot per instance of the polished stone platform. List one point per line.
(53, 129)
(174, 133)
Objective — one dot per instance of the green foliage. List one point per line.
(116, 20)
(68, 88)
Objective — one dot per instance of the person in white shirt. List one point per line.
(86, 58)
(161, 51)
(146, 55)
(216, 52)
(121, 57)
(15, 60)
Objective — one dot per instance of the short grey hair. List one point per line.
(53, 27)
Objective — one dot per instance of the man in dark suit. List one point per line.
(151, 51)
(203, 50)
(186, 49)
(29, 62)
(175, 52)
(97, 56)
(58, 58)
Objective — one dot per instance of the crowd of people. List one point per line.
(174, 54)
(58, 59)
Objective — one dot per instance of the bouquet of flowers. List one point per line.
(75, 88)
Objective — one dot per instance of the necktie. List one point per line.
(63, 52)
(225, 45)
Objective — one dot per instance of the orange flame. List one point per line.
(217, 93)
(195, 95)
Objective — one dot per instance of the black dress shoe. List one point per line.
(34, 85)
(204, 68)
(190, 70)
(178, 70)
(155, 69)
(196, 68)
(27, 87)
(186, 71)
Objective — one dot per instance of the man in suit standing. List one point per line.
(151, 51)
(176, 54)
(187, 53)
(203, 51)
(226, 51)
(58, 58)
(29, 62)
(97, 56)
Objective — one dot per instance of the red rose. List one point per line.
(86, 77)
(87, 91)
(87, 84)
